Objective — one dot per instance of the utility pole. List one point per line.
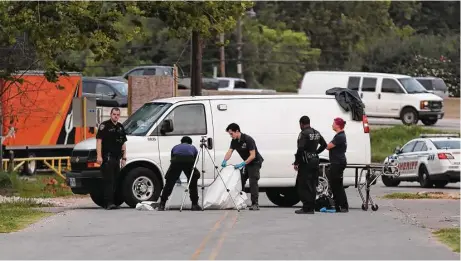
(196, 65)
(239, 48)
(222, 60)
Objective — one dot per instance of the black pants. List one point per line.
(251, 172)
(110, 170)
(172, 175)
(335, 178)
(306, 185)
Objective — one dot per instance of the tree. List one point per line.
(202, 21)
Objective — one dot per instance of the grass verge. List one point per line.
(40, 186)
(450, 237)
(422, 195)
(15, 216)
(384, 140)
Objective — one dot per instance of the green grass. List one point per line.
(450, 237)
(406, 195)
(40, 186)
(384, 140)
(15, 216)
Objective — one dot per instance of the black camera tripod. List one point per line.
(203, 147)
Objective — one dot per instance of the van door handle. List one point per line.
(379, 95)
(361, 95)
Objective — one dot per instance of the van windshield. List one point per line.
(411, 85)
(140, 122)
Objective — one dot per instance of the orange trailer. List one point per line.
(37, 116)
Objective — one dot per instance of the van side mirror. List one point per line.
(210, 143)
(397, 150)
(167, 126)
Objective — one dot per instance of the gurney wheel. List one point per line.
(364, 207)
(374, 207)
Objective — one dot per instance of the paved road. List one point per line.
(443, 124)
(272, 233)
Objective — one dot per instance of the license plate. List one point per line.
(72, 182)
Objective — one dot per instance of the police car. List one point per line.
(431, 160)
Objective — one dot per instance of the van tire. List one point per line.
(409, 116)
(146, 183)
(389, 182)
(429, 122)
(283, 197)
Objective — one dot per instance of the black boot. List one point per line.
(304, 211)
(195, 207)
(161, 206)
(111, 206)
(254, 207)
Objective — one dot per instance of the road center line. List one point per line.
(199, 250)
(214, 253)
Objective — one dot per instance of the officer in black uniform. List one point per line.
(307, 164)
(248, 151)
(182, 160)
(111, 152)
(338, 162)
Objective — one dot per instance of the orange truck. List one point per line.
(38, 117)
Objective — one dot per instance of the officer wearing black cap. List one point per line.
(182, 160)
(307, 164)
(111, 153)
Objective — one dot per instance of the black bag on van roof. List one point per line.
(349, 100)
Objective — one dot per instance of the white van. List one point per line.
(384, 95)
(272, 120)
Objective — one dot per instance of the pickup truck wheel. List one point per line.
(141, 184)
(283, 197)
(409, 116)
(389, 182)
(429, 122)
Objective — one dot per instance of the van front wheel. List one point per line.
(141, 184)
(409, 116)
(283, 197)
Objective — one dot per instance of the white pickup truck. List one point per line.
(237, 84)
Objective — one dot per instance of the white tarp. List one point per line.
(217, 197)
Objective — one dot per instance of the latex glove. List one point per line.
(239, 166)
(224, 163)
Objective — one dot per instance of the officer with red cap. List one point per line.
(337, 153)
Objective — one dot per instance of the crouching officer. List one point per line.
(307, 164)
(182, 160)
(111, 152)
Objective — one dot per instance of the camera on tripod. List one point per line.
(208, 143)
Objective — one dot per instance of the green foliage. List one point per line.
(5, 181)
(384, 140)
(276, 57)
(449, 236)
(207, 17)
(17, 215)
(49, 30)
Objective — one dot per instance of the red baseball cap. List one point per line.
(340, 122)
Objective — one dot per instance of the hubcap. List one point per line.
(143, 188)
(322, 186)
(409, 117)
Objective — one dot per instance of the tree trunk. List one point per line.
(196, 65)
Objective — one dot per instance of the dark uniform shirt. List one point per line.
(338, 153)
(308, 141)
(113, 136)
(243, 147)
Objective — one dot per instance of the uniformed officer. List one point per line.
(337, 148)
(307, 164)
(111, 152)
(248, 151)
(182, 160)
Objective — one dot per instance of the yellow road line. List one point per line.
(217, 248)
(199, 250)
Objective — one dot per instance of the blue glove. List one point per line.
(239, 166)
(224, 163)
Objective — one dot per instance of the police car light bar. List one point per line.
(454, 135)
